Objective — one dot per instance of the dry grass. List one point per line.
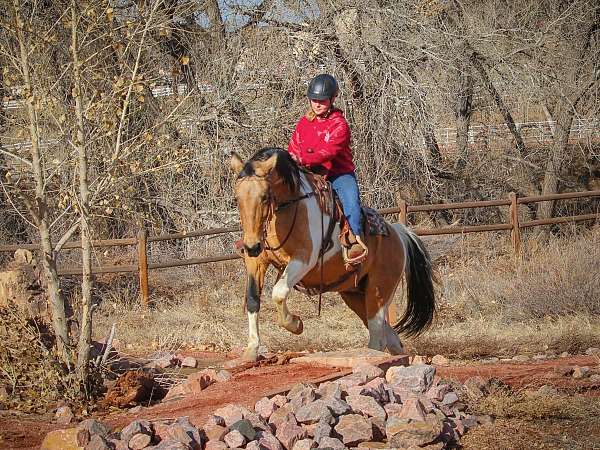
(486, 305)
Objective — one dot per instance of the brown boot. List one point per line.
(356, 252)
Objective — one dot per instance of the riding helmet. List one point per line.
(322, 87)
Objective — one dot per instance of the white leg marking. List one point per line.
(251, 352)
(376, 328)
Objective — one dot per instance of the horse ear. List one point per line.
(263, 168)
(236, 162)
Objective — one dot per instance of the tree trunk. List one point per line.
(563, 116)
(463, 111)
(38, 208)
(85, 336)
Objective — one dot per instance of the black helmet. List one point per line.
(322, 87)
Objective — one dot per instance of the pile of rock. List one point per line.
(405, 408)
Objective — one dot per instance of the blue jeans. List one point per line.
(346, 188)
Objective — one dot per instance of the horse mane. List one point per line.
(285, 166)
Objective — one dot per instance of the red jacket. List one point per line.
(323, 142)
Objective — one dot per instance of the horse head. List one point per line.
(269, 175)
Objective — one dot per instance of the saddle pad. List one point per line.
(377, 225)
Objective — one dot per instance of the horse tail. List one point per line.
(420, 304)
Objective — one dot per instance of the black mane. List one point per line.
(285, 166)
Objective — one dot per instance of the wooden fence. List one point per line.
(514, 225)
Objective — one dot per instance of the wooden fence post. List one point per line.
(515, 233)
(142, 239)
(402, 214)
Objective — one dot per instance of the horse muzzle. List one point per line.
(253, 251)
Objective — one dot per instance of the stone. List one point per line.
(350, 358)
(418, 359)
(353, 429)
(540, 357)
(439, 360)
(265, 407)
(437, 392)
(369, 370)
(355, 379)
(64, 415)
(214, 420)
(257, 422)
(450, 399)
(365, 405)
(547, 390)
(491, 360)
(592, 351)
(288, 433)
(163, 362)
(215, 445)
(475, 387)
(184, 432)
(378, 427)
(303, 444)
(234, 439)
(254, 445)
(565, 355)
(377, 389)
(281, 415)
(331, 443)
(94, 426)
(300, 389)
(321, 430)
(595, 378)
(189, 361)
(245, 428)
(98, 442)
(330, 390)
(337, 407)
(419, 433)
(230, 413)
(136, 427)
(215, 432)
(119, 444)
(62, 440)
(374, 445)
(520, 358)
(392, 409)
(302, 398)
(563, 371)
(581, 372)
(139, 441)
(412, 409)
(268, 441)
(417, 378)
(279, 400)
(314, 412)
(223, 375)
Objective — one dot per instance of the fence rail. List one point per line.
(402, 210)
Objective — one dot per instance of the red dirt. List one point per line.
(247, 387)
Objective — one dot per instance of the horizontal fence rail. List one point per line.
(514, 225)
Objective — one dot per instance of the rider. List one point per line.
(321, 142)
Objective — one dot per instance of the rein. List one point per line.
(278, 207)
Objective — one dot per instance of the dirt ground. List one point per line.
(27, 432)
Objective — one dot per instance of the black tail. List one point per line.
(420, 304)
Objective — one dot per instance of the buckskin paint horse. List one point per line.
(282, 225)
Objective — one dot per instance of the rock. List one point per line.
(184, 432)
(330, 390)
(450, 399)
(354, 428)
(215, 432)
(392, 409)
(288, 433)
(301, 398)
(214, 420)
(377, 389)
(378, 427)
(64, 415)
(420, 433)
(131, 388)
(279, 400)
(475, 387)
(491, 360)
(139, 441)
(581, 372)
(189, 361)
(368, 370)
(365, 405)
(592, 351)
(437, 392)
(230, 413)
(163, 362)
(137, 427)
(520, 358)
(374, 445)
(268, 441)
(257, 422)
(314, 412)
(355, 379)
(234, 439)
(299, 389)
(93, 427)
(98, 442)
(565, 355)
(331, 443)
(540, 357)
(170, 444)
(254, 445)
(119, 444)
(281, 415)
(245, 428)
(417, 378)
(418, 359)
(322, 430)
(337, 407)
(265, 407)
(412, 409)
(223, 375)
(547, 390)
(62, 440)
(595, 378)
(303, 444)
(563, 371)
(439, 360)
(215, 445)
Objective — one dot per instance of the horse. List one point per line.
(283, 225)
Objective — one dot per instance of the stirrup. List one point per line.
(350, 262)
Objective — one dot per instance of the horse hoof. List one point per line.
(296, 326)
(250, 355)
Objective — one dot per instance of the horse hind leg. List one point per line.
(392, 340)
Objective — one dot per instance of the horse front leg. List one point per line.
(293, 273)
(255, 277)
